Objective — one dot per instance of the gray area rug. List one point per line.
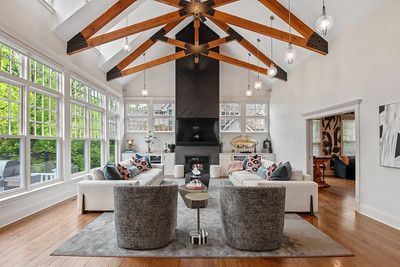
(302, 239)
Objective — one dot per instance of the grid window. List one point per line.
(42, 115)
(10, 109)
(42, 74)
(10, 158)
(137, 117)
(230, 118)
(43, 160)
(137, 110)
(255, 125)
(256, 109)
(137, 124)
(113, 104)
(78, 90)
(78, 121)
(163, 125)
(78, 156)
(95, 124)
(95, 154)
(163, 119)
(230, 125)
(10, 60)
(316, 137)
(349, 137)
(112, 126)
(95, 97)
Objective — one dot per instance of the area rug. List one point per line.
(301, 238)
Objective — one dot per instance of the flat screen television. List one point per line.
(197, 132)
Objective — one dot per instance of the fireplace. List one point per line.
(201, 162)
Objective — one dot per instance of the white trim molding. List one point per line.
(380, 216)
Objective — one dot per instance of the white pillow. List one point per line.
(267, 163)
(97, 174)
(296, 175)
(126, 163)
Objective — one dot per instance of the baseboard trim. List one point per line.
(380, 216)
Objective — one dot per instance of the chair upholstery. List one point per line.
(345, 171)
(253, 217)
(145, 216)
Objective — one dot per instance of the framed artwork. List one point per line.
(389, 135)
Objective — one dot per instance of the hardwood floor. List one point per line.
(29, 242)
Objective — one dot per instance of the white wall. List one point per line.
(364, 63)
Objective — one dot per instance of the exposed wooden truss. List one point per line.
(199, 10)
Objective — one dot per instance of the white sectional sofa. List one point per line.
(98, 195)
(299, 192)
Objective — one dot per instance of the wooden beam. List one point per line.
(251, 48)
(196, 24)
(218, 3)
(174, 3)
(156, 62)
(282, 12)
(81, 38)
(175, 42)
(219, 42)
(314, 43)
(116, 71)
(130, 30)
(236, 62)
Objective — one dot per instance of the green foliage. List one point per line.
(95, 154)
(78, 156)
(43, 156)
(9, 149)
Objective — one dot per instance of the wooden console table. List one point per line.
(318, 176)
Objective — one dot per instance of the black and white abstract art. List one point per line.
(389, 135)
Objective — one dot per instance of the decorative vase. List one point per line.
(149, 147)
(171, 148)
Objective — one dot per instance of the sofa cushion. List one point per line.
(111, 172)
(262, 172)
(125, 174)
(241, 176)
(141, 164)
(282, 173)
(147, 158)
(126, 163)
(253, 163)
(270, 170)
(297, 175)
(149, 177)
(97, 174)
(133, 171)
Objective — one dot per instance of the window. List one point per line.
(78, 90)
(95, 97)
(256, 117)
(230, 117)
(43, 75)
(43, 143)
(10, 109)
(10, 60)
(113, 117)
(349, 137)
(316, 137)
(137, 117)
(163, 117)
(10, 139)
(113, 105)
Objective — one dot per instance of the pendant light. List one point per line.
(249, 92)
(324, 23)
(290, 53)
(126, 46)
(144, 91)
(272, 71)
(258, 84)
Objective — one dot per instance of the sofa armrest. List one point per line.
(158, 166)
(307, 177)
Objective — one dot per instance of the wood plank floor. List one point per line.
(29, 242)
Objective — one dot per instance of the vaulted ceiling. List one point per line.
(77, 16)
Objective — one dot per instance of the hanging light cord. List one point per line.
(290, 27)
(248, 74)
(258, 59)
(126, 25)
(144, 72)
(272, 44)
(323, 8)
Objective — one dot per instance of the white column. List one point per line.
(65, 113)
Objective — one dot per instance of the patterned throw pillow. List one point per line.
(253, 163)
(270, 170)
(141, 164)
(125, 173)
(139, 156)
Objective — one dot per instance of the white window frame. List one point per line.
(167, 117)
(264, 117)
(132, 116)
(231, 116)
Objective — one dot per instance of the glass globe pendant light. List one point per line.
(249, 92)
(144, 91)
(126, 46)
(258, 84)
(272, 71)
(324, 23)
(290, 53)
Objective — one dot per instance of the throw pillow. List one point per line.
(282, 173)
(345, 159)
(97, 174)
(253, 163)
(141, 164)
(235, 166)
(111, 172)
(125, 174)
(126, 163)
(267, 163)
(270, 170)
(134, 171)
(139, 156)
(262, 172)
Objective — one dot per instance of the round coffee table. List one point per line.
(198, 200)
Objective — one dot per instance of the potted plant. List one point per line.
(149, 139)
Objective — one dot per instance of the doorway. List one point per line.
(333, 147)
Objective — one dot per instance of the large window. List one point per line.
(112, 121)
(10, 109)
(230, 118)
(163, 117)
(316, 131)
(43, 75)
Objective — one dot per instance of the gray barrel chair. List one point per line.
(253, 217)
(145, 216)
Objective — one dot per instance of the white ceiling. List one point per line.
(75, 16)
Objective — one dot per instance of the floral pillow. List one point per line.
(235, 166)
(125, 173)
(270, 170)
(253, 163)
(141, 164)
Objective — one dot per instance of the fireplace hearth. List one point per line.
(201, 162)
